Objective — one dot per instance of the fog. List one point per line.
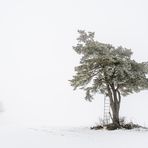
(37, 59)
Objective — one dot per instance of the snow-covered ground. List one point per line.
(68, 137)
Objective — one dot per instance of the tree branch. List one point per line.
(110, 94)
(119, 96)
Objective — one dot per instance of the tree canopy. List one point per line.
(102, 65)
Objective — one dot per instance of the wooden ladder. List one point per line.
(106, 119)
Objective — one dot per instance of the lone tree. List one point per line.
(107, 70)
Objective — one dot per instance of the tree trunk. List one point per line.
(115, 99)
(115, 114)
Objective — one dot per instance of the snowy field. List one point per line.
(37, 60)
(52, 137)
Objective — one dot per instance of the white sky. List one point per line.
(37, 60)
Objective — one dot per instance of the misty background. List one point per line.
(37, 59)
